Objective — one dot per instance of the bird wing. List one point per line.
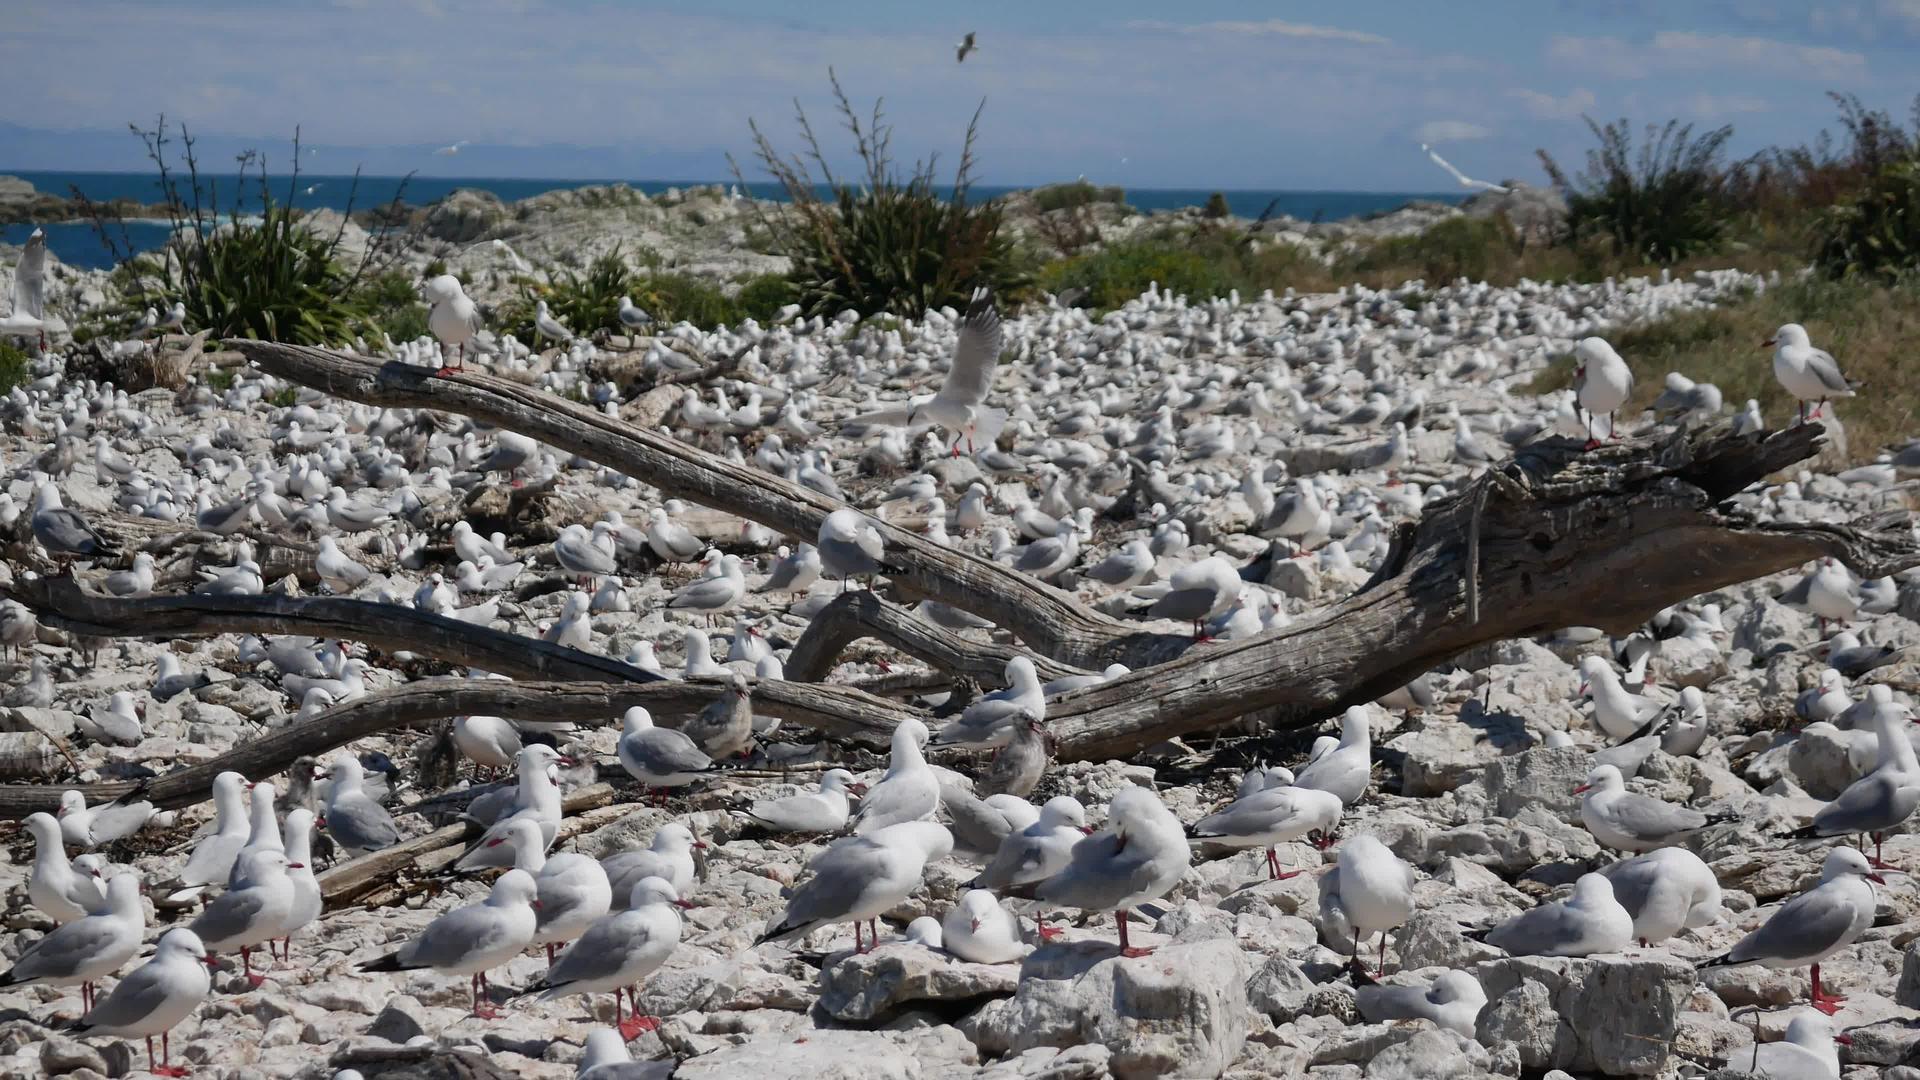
(663, 751)
(1866, 805)
(453, 937)
(1542, 931)
(362, 824)
(898, 800)
(841, 876)
(705, 593)
(68, 530)
(870, 544)
(882, 418)
(30, 278)
(64, 951)
(1827, 370)
(1650, 819)
(230, 915)
(1806, 926)
(1040, 553)
(976, 353)
(601, 952)
(142, 993)
(1445, 164)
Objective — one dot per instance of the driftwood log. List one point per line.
(1048, 620)
(1554, 536)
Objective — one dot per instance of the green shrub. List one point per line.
(583, 300)
(265, 273)
(886, 242)
(1075, 194)
(1120, 272)
(1217, 206)
(1877, 231)
(13, 366)
(1456, 247)
(672, 298)
(1669, 201)
(763, 296)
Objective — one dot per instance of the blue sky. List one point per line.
(1144, 94)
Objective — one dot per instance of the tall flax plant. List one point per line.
(1668, 201)
(269, 276)
(884, 242)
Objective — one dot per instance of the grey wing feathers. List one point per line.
(458, 933)
(599, 953)
(363, 825)
(1827, 369)
(1016, 856)
(836, 884)
(1534, 931)
(60, 953)
(707, 592)
(227, 916)
(664, 753)
(977, 352)
(1864, 805)
(870, 544)
(135, 998)
(1648, 817)
(1806, 926)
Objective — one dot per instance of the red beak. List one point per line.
(856, 788)
(1876, 879)
(1086, 830)
(536, 905)
(687, 904)
(1582, 789)
(975, 923)
(1767, 343)
(1583, 689)
(566, 761)
(496, 841)
(296, 866)
(211, 962)
(701, 844)
(1843, 1040)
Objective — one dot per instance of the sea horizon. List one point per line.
(75, 242)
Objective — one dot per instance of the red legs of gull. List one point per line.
(459, 362)
(1120, 920)
(1826, 1003)
(481, 1007)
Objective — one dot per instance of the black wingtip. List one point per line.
(1718, 961)
(389, 962)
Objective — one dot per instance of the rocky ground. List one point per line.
(1247, 978)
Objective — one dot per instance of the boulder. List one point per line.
(1543, 777)
(1180, 1011)
(826, 1054)
(1611, 1014)
(863, 986)
(1432, 1054)
(465, 215)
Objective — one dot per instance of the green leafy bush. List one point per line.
(13, 366)
(1119, 272)
(1669, 201)
(267, 275)
(1075, 194)
(583, 300)
(1877, 231)
(1217, 206)
(672, 298)
(763, 296)
(886, 242)
(1462, 246)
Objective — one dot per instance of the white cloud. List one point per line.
(1539, 103)
(1671, 50)
(1439, 131)
(1271, 27)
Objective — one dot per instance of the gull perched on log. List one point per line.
(453, 317)
(959, 405)
(29, 292)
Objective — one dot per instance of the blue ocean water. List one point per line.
(76, 243)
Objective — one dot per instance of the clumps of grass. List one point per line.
(1875, 232)
(270, 276)
(1668, 201)
(13, 366)
(1075, 194)
(1868, 326)
(1217, 206)
(761, 297)
(1199, 265)
(888, 240)
(1478, 248)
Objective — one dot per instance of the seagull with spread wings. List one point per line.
(1466, 181)
(959, 405)
(966, 46)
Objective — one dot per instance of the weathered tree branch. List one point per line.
(1602, 539)
(60, 602)
(860, 614)
(1049, 621)
(837, 710)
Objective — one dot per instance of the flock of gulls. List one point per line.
(1146, 460)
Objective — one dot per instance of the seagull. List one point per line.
(822, 811)
(1809, 374)
(64, 890)
(990, 721)
(910, 790)
(547, 326)
(355, 821)
(452, 149)
(1270, 816)
(669, 857)
(453, 317)
(1037, 852)
(212, 860)
(1666, 891)
(573, 890)
(1880, 800)
(1630, 821)
(636, 320)
(1463, 179)
(1140, 855)
(29, 291)
(959, 406)
(980, 930)
(1806, 1052)
(253, 909)
(966, 46)
(618, 951)
(860, 879)
(88, 948)
(489, 742)
(473, 939)
(154, 998)
(1345, 771)
(1590, 921)
(1814, 925)
(724, 728)
(62, 532)
(337, 569)
(1601, 383)
(849, 545)
(1453, 1000)
(1371, 889)
(89, 827)
(660, 757)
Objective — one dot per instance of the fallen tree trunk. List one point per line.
(862, 614)
(838, 710)
(1049, 621)
(61, 603)
(1558, 537)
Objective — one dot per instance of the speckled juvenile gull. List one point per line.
(352, 818)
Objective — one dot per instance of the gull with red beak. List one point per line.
(1280, 814)
(64, 890)
(1809, 374)
(619, 951)
(1814, 925)
(538, 800)
(253, 910)
(979, 930)
(474, 939)
(1879, 801)
(154, 998)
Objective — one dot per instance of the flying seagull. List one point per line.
(1466, 181)
(449, 151)
(966, 46)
